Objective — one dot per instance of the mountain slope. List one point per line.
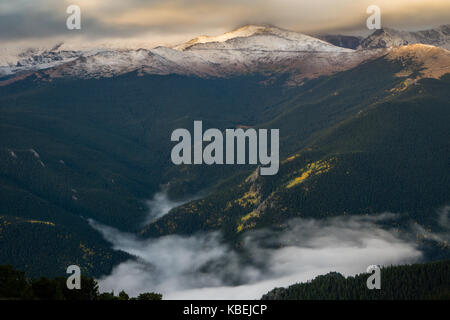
(102, 153)
(249, 50)
(258, 38)
(422, 61)
(386, 37)
(388, 152)
(90, 139)
(45, 248)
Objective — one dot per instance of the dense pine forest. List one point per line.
(429, 281)
(15, 286)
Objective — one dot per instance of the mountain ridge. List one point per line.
(250, 49)
(387, 37)
(301, 41)
(365, 133)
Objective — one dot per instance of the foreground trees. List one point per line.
(427, 281)
(14, 285)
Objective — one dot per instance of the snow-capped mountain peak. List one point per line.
(245, 31)
(252, 49)
(260, 37)
(386, 37)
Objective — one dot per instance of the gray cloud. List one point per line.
(47, 24)
(169, 21)
(442, 234)
(160, 205)
(203, 267)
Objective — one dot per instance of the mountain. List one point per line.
(248, 50)
(422, 61)
(86, 135)
(75, 149)
(386, 37)
(14, 62)
(362, 141)
(261, 38)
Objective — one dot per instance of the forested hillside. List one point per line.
(430, 281)
(77, 149)
(362, 141)
(389, 155)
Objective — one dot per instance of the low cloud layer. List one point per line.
(160, 205)
(203, 267)
(442, 235)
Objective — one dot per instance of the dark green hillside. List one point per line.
(304, 115)
(359, 141)
(327, 101)
(392, 155)
(429, 281)
(43, 247)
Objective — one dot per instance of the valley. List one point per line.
(363, 155)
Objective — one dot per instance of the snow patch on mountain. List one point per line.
(257, 38)
(17, 60)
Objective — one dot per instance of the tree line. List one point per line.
(428, 281)
(15, 286)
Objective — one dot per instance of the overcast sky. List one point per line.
(173, 21)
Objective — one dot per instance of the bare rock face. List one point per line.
(386, 38)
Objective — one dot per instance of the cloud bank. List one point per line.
(159, 206)
(163, 22)
(203, 267)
